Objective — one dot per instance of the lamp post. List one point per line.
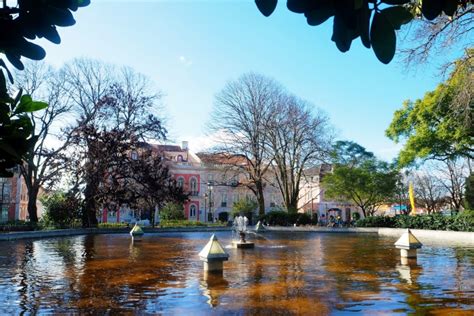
(205, 207)
(209, 188)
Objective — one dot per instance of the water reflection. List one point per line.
(213, 285)
(284, 274)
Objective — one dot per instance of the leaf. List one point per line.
(431, 8)
(266, 7)
(60, 17)
(51, 34)
(396, 1)
(364, 25)
(28, 105)
(398, 16)
(7, 148)
(319, 16)
(341, 35)
(297, 6)
(15, 61)
(30, 50)
(450, 7)
(382, 37)
(2, 64)
(3, 86)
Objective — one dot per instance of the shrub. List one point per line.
(223, 217)
(17, 225)
(113, 225)
(172, 211)
(62, 210)
(464, 221)
(356, 216)
(186, 223)
(282, 218)
(377, 221)
(278, 218)
(244, 207)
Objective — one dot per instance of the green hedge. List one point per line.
(114, 225)
(12, 226)
(186, 223)
(463, 221)
(282, 218)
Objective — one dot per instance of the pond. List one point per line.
(286, 273)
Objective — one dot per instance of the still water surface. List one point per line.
(309, 274)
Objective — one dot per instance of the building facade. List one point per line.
(313, 201)
(227, 183)
(212, 183)
(14, 199)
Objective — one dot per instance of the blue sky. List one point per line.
(190, 49)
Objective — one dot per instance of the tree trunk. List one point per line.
(32, 209)
(89, 218)
(260, 199)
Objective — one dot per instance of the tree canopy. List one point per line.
(29, 20)
(21, 24)
(366, 181)
(439, 126)
(374, 22)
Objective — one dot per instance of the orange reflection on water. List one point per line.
(307, 274)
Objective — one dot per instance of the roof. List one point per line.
(162, 148)
(222, 158)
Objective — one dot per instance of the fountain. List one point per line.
(239, 233)
(136, 233)
(259, 228)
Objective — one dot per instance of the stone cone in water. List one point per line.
(136, 231)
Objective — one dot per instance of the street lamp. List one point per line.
(205, 207)
(209, 188)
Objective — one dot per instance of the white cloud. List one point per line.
(199, 143)
(185, 61)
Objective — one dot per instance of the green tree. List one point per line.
(16, 128)
(172, 211)
(439, 126)
(469, 193)
(244, 207)
(62, 209)
(368, 183)
(21, 23)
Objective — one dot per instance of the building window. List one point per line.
(179, 158)
(193, 186)
(192, 210)
(224, 200)
(134, 155)
(210, 178)
(180, 182)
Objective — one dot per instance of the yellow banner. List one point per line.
(411, 193)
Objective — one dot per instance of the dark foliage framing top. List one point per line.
(31, 19)
(374, 21)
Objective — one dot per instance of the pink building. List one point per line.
(14, 199)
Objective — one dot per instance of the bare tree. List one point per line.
(44, 162)
(299, 138)
(429, 191)
(110, 103)
(241, 114)
(453, 174)
(425, 38)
